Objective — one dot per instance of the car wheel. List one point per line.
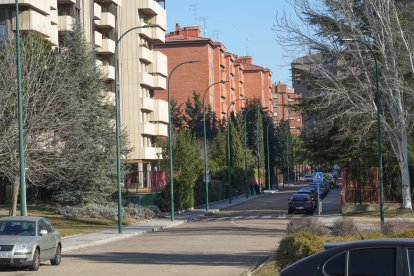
(58, 256)
(34, 266)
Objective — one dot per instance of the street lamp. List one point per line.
(205, 140)
(170, 154)
(228, 146)
(268, 155)
(378, 104)
(23, 208)
(118, 124)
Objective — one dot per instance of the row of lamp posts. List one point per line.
(120, 228)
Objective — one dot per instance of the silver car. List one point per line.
(27, 241)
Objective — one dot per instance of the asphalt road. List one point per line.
(226, 243)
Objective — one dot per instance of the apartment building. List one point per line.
(244, 79)
(257, 82)
(284, 101)
(141, 69)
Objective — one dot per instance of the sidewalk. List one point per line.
(73, 243)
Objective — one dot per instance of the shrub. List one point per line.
(297, 246)
(404, 234)
(395, 226)
(344, 227)
(132, 211)
(308, 225)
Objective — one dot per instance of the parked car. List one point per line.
(390, 257)
(310, 191)
(27, 241)
(322, 189)
(301, 202)
(307, 178)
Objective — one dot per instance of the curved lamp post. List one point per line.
(228, 146)
(23, 208)
(268, 155)
(170, 154)
(378, 104)
(118, 124)
(205, 139)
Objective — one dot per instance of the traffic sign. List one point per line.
(317, 177)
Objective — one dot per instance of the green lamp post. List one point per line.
(23, 207)
(268, 154)
(378, 104)
(170, 153)
(228, 147)
(205, 140)
(118, 124)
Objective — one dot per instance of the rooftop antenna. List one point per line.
(204, 19)
(194, 8)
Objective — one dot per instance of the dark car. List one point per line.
(322, 189)
(310, 191)
(384, 257)
(301, 202)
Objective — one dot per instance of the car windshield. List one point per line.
(300, 197)
(17, 228)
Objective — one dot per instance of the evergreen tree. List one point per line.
(91, 144)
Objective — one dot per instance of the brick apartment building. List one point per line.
(284, 100)
(245, 80)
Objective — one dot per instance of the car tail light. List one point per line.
(308, 202)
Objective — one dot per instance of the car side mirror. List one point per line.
(43, 232)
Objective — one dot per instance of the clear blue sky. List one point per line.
(234, 22)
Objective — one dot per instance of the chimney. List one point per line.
(246, 59)
(177, 28)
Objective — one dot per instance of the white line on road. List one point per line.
(267, 217)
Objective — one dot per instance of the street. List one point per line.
(226, 243)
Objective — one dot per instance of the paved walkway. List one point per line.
(82, 241)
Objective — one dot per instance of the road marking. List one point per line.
(267, 217)
(208, 219)
(251, 217)
(223, 218)
(239, 217)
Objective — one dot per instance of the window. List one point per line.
(48, 226)
(372, 262)
(336, 265)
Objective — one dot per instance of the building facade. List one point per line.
(141, 69)
(244, 79)
(284, 101)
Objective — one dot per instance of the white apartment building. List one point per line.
(141, 70)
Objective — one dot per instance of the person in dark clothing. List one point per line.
(251, 187)
(256, 188)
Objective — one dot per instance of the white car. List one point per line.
(27, 241)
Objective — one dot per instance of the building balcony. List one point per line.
(43, 6)
(151, 7)
(145, 54)
(97, 11)
(108, 71)
(107, 20)
(155, 129)
(98, 63)
(159, 82)
(66, 1)
(159, 63)
(147, 79)
(160, 113)
(108, 46)
(148, 153)
(65, 22)
(155, 34)
(54, 18)
(31, 20)
(116, 2)
(148, 104)
(98, 39)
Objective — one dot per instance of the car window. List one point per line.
(336, 265)
(411, 260)
(49, 228)
(17, 228)
(372, 262)
(42, 226)
(300, 197)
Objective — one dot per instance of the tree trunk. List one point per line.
(405, 177)
(16, 186)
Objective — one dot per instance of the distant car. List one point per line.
(307, 178)
(383, 257)
(27, 241)
(301, 202)
(311, 192)
(322, 189)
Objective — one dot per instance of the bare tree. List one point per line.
(45, 87)
(344, 74)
